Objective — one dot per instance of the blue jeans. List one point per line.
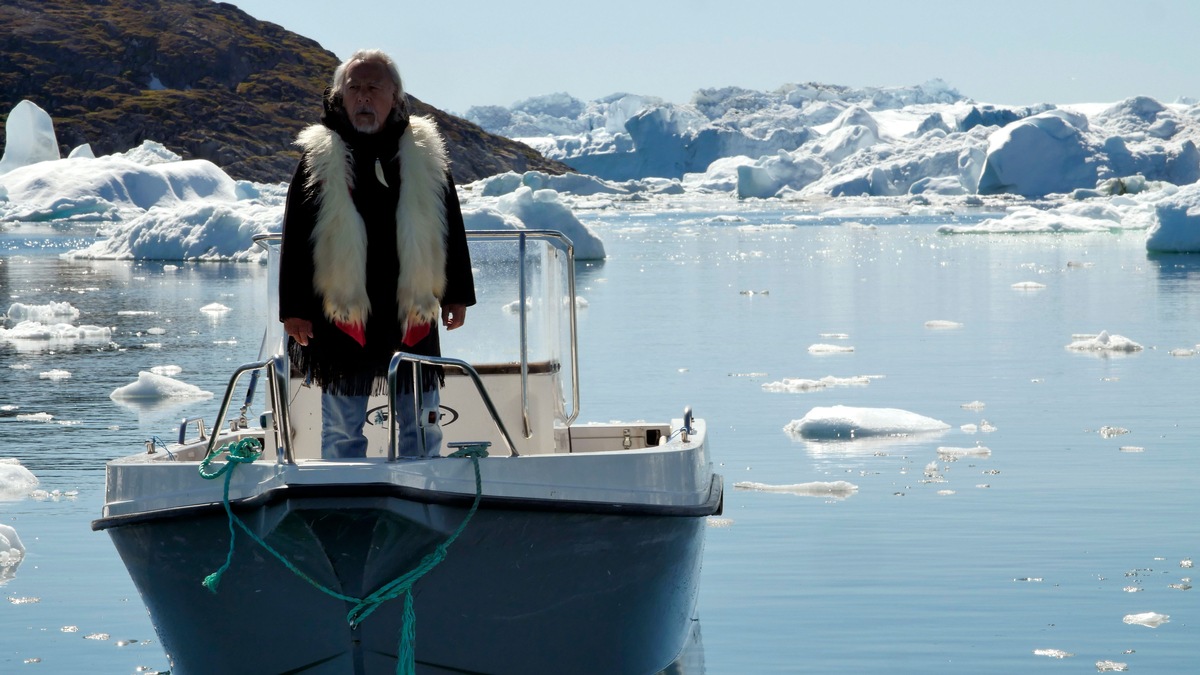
(342, 419)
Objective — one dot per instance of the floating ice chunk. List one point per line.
(1028, 286)
(34, 335)
(214, 308)
(845, 422)
(35, 417)
(166, 371)
(838, 489)
(1111, 667)
(973, 405)
(152, 387)
(829, 349)
(43, 313)
(1131, 448)
(1053, 653)
(55, 374)
(798, 385)
(835, 336)
(1105, 343)
(1147, 619)
(942, 324)
(15, 480)
(1182, 352)
(12, 552)
(1110, 432)
(952, 454)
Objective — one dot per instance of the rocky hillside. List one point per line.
(204, 78)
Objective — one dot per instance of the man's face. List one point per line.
(368, 95)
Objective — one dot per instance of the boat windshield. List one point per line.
(524, 316)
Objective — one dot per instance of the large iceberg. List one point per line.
(812, 141)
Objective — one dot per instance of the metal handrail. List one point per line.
(417, 361)
(277, 390)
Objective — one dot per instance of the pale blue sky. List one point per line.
(458, 53)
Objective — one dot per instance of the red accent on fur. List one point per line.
(415, 334)
(355, 331)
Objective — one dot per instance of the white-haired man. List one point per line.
(373, 251)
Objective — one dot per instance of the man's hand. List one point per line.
(300, 330)
(453, 316)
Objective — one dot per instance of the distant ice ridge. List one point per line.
(833, 141)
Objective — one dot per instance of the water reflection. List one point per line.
(1175, 267)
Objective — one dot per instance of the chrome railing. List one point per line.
(418, 362)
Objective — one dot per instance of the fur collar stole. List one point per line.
(340, 236)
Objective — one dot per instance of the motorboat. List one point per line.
(527, 543)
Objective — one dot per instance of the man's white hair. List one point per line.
(372, 56)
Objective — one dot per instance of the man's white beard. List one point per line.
(367, 128)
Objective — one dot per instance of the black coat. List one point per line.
(332, 358)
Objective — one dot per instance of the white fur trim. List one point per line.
(339, 237)
(421, 248)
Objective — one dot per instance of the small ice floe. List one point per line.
(97, 636)
(838, 489)
(954, 454)
(800, 385)
(1131, 448)
(54, 311)
(1186, 563)
(845, 422)
(1028, 286)
(753, 293)
(55, 374)
(1112, 432)
(166, 371)
(35, 417)
(749, 375)
(1105, 343)
(12, 552)
(152, 387)
(828, 349)
(942, 324)
(515, 306)
(1111, 667)
(214, 308)
(1147, 619)
(1182, 352)
(15, 480)
(34, 335)
(1029, 579)
(156, 331)
(25, 601)
(1053, 653)
(716, 521)
(973, 405)
(834, 336)
(1181, 586)
(136, 312)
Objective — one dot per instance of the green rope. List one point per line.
(250, 449)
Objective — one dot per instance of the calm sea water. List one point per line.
(1026, 560)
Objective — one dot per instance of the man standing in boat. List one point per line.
(374, 252)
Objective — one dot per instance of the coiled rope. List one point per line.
(249, 449)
